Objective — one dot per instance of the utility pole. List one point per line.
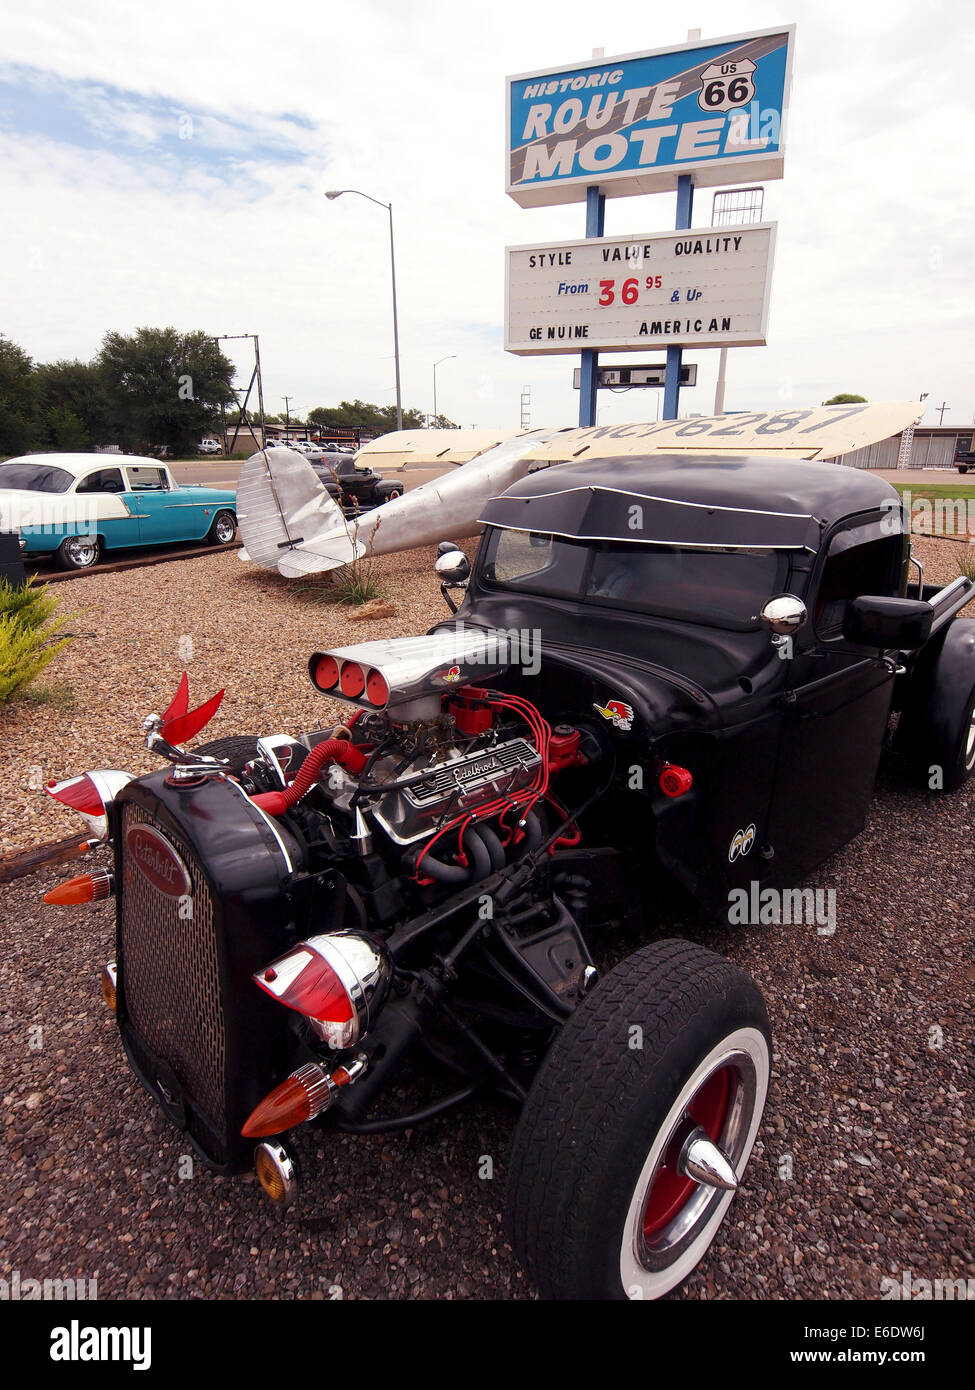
(941, 412)
(337, 193)
(287, 414)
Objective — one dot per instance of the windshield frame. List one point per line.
(784, 562)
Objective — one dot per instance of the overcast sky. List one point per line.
(166, 164)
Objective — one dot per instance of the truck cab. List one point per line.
(648, 583)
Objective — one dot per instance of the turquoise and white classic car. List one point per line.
(75, 506)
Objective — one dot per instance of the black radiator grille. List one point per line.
(171, 976)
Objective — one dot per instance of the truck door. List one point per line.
(837, 705)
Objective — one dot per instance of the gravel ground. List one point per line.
(862, 1167)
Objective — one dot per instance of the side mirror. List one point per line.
(784, 615)
(901, 624)
(453, 567)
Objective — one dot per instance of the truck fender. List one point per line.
(938, 695)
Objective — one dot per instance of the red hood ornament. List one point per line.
(179, 723)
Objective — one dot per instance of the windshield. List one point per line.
(722, 588)
(34, 477)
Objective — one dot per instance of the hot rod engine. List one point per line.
(297, 916)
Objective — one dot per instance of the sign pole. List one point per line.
(595, 220)
(685, 209)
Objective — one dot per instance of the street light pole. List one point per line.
(337, 193)
(449, 358)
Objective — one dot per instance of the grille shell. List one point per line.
(173, 995)
(205, 1042)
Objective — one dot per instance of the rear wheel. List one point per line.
(951, 747)
(638, 1126)
(936, 732)
(223, 530)
(78, 552)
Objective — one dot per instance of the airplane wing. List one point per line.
(818, 432)
(405, 449)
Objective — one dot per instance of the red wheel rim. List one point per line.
(669, 1190)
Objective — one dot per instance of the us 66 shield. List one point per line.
(726, 85)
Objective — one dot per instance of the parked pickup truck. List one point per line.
(662, 668)
(75, 506)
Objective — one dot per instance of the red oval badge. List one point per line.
(158, 860)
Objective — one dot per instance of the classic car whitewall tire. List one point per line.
(78, 552)
(224, 529)
(674, 1041)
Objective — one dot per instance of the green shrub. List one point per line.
(352, 584)
(28, 637)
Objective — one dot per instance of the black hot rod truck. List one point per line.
(664, 666)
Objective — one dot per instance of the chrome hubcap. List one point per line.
(693, 1165)
(81, 552)
(703, 1161)
(225, 530)
(970, 744)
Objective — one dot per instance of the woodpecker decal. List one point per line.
(619, 714)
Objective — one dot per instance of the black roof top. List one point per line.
(692, 500)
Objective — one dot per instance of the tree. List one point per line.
(376, 419)
(76, 404)
(845, 399)
(164, 387)
(19, 429)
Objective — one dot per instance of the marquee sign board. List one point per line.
(705, 287)
(633, 124)
(646, 374)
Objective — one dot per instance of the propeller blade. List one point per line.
(183, 728)
(181, 700)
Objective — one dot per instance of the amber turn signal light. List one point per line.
(86, 888)
(303, 1095)
(286, 1106)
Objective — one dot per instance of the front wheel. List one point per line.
(223, 530)
(238, 750)
(78, 552)
(639, 1125)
